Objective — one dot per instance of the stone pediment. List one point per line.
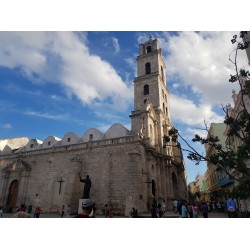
(17, 166)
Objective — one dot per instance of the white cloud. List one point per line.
(46, 115)
(176, 85)
(196, 131)
(201, 60)
(63, 57)
(132, 63)
(187, 112)
(142, 38)
(55, 97)
(6, 126)
(116, 44)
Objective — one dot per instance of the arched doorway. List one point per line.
(175, 186)
(13, 192)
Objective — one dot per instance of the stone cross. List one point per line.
(60, 181)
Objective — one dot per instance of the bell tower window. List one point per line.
(91, 137)
(148, 50)
(148, 68)
(146, 89)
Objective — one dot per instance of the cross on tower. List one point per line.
(60, 187)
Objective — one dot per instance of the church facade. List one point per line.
(127, 168)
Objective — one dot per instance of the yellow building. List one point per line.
(217, 181)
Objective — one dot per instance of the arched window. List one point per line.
(146, 89)
(148, 49)
(166, 111)
(148, 68)
(163, 108)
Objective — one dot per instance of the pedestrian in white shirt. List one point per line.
(163, 206)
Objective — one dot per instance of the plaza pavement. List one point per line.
(168, 214)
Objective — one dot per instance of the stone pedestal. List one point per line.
(80, 206)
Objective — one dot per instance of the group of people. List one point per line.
(133, 213)
(62, 211)
(196, 209)
(158, 209)
(192, 210)
(108, 212)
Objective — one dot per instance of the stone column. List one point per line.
(170, 182)
(4, 188)
(163, 180)
(169, 187)
(158, 180)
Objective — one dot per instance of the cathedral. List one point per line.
(127, 168)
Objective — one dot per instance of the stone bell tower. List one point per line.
(151, 118)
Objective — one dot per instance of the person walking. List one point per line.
(1, 212)
(159, 211)
(133, 213)
(184, 211)
(204, 209)
(111, 211)
(179, 206)
(190, 210)
(163, 206)
(37, 212)
(154, 211)
(62, 211)
(175, 205)
(231, 208)
(195, 210)
(68, 211)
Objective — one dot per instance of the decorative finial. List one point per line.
(150, 37)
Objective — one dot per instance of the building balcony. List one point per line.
(225, 181)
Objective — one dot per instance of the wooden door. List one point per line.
(13, 192)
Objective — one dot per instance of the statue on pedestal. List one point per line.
(87, 185)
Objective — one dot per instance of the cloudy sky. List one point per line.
(52, 83)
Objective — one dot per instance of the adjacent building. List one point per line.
(218, 182)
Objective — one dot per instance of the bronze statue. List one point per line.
(87, 185)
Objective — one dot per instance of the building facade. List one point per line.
(218, 182)
(232, 141)
(128, 168)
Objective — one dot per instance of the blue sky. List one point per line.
(58, 82)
